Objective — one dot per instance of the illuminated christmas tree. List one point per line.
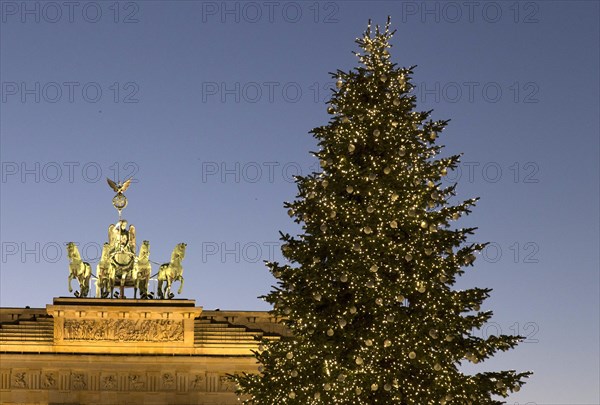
(369, 296)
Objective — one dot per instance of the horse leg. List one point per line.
(180, 284)
(122, 286)
(160, 290)
(70, 278)
(168, 289)
(98, 288)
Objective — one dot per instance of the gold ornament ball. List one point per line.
(374, 268)
(396, 102)
(370, 284)
(353, 309)
(351, 148)
(291, 212)
(349, 189)
(374, 387)
(324, 183)
(289, 355)
(323, 163)
(424, 224)
(394, 224)
(437, 367)
(408, 257)
(422, 289)
(428, 252)
(402, 151)
(294, 373)
(395, 196)
(332, 214)
(387, 387)
(444, 172)
(433, 333)
(395, 123)
(345, 120)
(343, 278)
(387, 343)
(327, 387)
(449, 338)
(342, 323)
(339, 83)
(412, 355)
(329, 332)
(323, 227)
(292, 395)
(368, 230)
(372, 176)
(379, 301)
(370, 209)
(390, 318)
(369, 342)
(358, 391)
(376, 132)
(383, 78)
(387, 170)
(359, 360)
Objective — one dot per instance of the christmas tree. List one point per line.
(368, 296)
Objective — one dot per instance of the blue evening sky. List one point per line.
(209, 104)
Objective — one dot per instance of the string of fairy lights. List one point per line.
(368, 292)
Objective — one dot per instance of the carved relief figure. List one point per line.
(168, 381)
(136, 382)
(78, 269)
(49, 381)
(172, 271)
(227, 384)
(19, 380)
(141, 271)
(109, 382)
(124, 330)
(78, 381)
(198, 382)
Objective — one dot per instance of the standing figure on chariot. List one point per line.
(121, 239)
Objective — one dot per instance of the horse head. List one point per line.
(73, 252)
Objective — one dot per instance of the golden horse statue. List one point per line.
(78, 269)
(141, 271)
(172, 271)
(105, 274)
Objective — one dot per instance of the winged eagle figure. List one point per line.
(119, 188)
